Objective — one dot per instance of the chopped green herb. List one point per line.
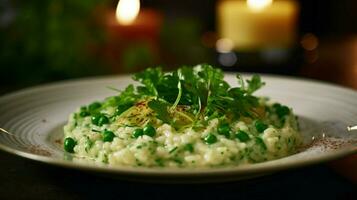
(159, 162)
(173, 150)
(260, 142)
(189, 147)
(105, 158)
(88, 144)
(177, 160)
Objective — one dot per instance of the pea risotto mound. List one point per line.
(187, 118)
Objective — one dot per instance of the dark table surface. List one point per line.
(21, 178)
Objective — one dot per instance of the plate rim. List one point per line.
(230, 170)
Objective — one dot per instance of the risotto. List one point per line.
(153, 129)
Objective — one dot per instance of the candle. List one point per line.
(130, 23)
(131, 30)
(257, 24)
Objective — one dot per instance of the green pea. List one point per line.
(210, 139)
(84, 113)
(93, 106)
(95, 119)
(103, 120)
(224, 129)
(242, 136)
(137, 133)
(69, 144)
(260, 126)
(108, 136)
(282, 111)
(149, 130)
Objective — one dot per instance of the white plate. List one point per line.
(36, 116)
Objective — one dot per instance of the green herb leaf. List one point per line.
(161, 109)
(149, 79)
(254, 84)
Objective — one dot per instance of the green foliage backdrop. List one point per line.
(49, 40)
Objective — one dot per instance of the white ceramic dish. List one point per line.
(36, 116)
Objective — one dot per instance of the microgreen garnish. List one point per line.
(190, 96)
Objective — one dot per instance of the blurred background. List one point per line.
(45, 41)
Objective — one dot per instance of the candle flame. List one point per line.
(258, 5)
(127, 11)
